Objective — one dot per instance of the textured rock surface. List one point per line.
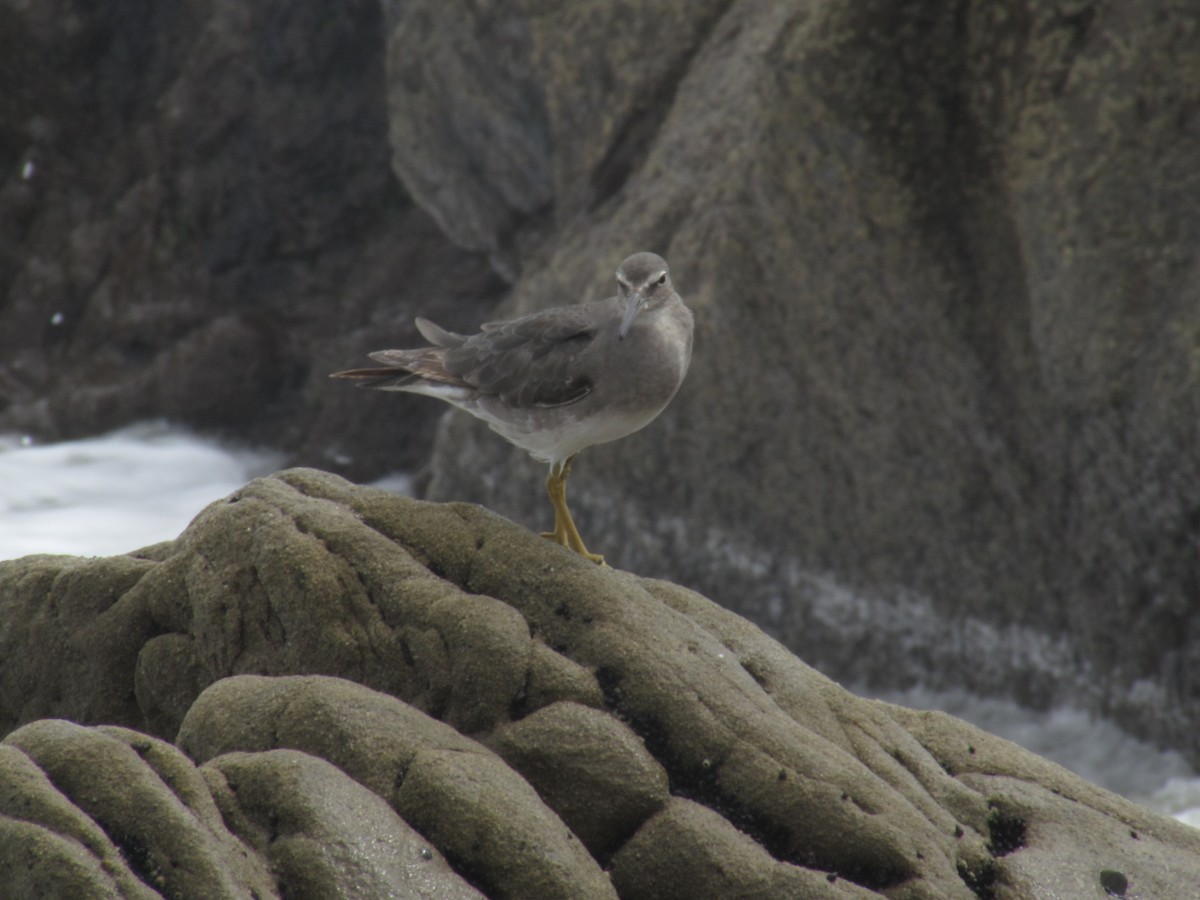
(943, 265)
(200, 223)
(942, 419)
(367, 691)
(122, 813)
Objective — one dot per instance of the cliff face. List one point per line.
(325, 690)
(942, 417)
(944, 272)
(197, 211)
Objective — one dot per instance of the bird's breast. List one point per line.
(652, 361)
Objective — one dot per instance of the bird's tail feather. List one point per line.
(382, 378)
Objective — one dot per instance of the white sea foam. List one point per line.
(113, 494)
(143, 484)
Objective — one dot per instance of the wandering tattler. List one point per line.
(556, 381)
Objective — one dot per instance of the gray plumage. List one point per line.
(557, 381)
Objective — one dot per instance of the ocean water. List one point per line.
(115, 493)
(144, 484)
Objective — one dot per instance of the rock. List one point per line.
(687, 850)
(1031, 805)
(941, 420)
(476, 810)
(205, 225)
(348, 656)
(324, 834)
(68, 624)
(590, 768)
(142, 819)
(483, 114)
(942, 264)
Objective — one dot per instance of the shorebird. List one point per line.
(557, 381)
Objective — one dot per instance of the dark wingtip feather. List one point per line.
(380, 377)
(361, 373)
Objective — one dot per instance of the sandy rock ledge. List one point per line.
(324, 690)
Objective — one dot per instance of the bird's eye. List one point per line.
(662, 279)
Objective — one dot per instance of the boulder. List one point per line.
(321, 688)
(121, 812)
(941, 419)
(944, 399)
(201, 224)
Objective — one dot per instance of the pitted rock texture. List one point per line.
(942, 258)
(201, 223)
(383, 697)
(116, 810)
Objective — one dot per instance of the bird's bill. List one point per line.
(633, 306)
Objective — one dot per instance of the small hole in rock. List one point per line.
(1114, 883)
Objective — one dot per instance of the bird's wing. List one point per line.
(530, 361)
(439, 336)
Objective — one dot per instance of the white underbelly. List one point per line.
(553, 441)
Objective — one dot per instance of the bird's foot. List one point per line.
(565, 532)
(564, 538)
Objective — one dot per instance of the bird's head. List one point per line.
(644, 283)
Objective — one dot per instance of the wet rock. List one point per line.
(942, 259)
(143, 821)
(539, 725)
(324, 834)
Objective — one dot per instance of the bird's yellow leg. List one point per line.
(565, 532)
